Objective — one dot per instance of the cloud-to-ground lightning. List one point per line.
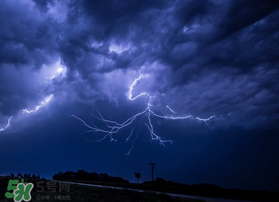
(47, 99)
(7, 126)
(112, 127)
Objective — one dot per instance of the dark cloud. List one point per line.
(25, 38)
(117, 10)
(245, 13)
(44, 5)
(193, 11)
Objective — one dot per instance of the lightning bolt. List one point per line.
(44, 102)
(7, 126)
(133, 142)
(206, 120)
(132, 87)
(60, 71)
(113, 127)
(47, 99)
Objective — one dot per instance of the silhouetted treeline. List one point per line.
(82, 175)
(25, 176)
(161, 181)
(210, 190)
(163, 185)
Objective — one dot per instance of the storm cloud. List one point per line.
(200, 58)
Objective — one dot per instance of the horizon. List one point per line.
(134, 181)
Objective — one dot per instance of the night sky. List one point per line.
(202, 76)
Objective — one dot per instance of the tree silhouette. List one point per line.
(84, 176)
(19, 175)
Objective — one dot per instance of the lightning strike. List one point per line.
(132, 87)
(205, 120)
(44, 102)
(7, 126)
(133, 142)
(57, 70)
(47, 99)
(112, 127)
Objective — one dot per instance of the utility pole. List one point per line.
(137, 175)
(152, 170)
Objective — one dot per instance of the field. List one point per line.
(80, 193)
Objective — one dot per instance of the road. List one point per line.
(207, 199)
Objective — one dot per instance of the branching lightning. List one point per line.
(113, 127)
(205, 120)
